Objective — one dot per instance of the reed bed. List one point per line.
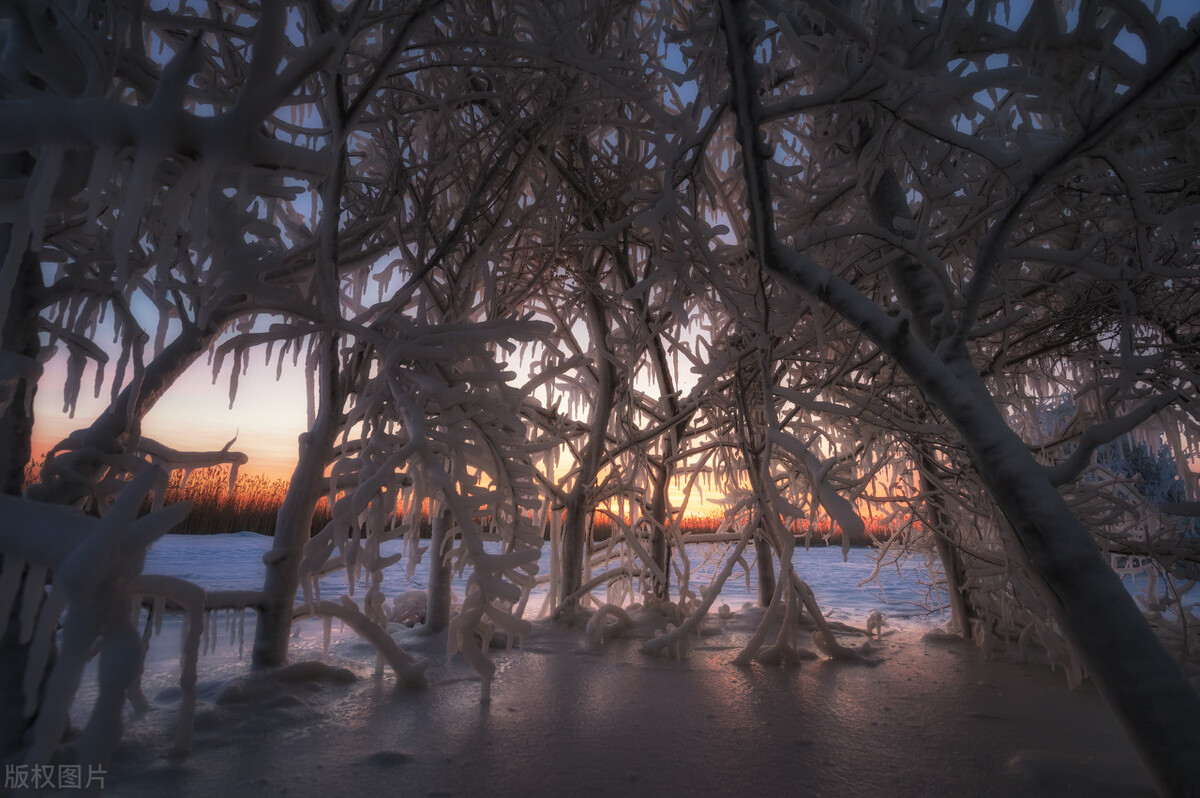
(256, 499)
(254, 506)
(822, 532)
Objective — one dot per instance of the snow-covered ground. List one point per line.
(922, 717)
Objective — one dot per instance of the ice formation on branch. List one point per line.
(96, 563)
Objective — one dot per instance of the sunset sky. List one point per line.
(267, 416)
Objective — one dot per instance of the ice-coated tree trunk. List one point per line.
(437, 612)
(751, 443)
(580, 502)
(1133, 671)
(13, 656)
(662, 472)
(960, 611)
(765, 563)
(20, 341)
(919, 294)
(293, 528)
(573, 532)
(952, 564)
(660, 541)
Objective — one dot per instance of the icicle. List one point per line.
(41, 186)
(118, 380)
(328, 622)
(311, 392)
(10, 583)
(279, 363)
(102, 162)
(98, 384)
(41, 645)
(241, 631)
(31, 600)
(235, 374)
(160, 334)
(75, 365)
(160, 603)
(217, 359)
(135, 609)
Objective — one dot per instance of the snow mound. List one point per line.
(386, 758)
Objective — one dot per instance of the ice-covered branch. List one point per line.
(991, 248)
(96, 565)
(409, 670)
(674, 637)
(1104, 432)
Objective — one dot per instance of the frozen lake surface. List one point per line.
(925, 716)
(226, 562)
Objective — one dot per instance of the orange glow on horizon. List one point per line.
(267, 418)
